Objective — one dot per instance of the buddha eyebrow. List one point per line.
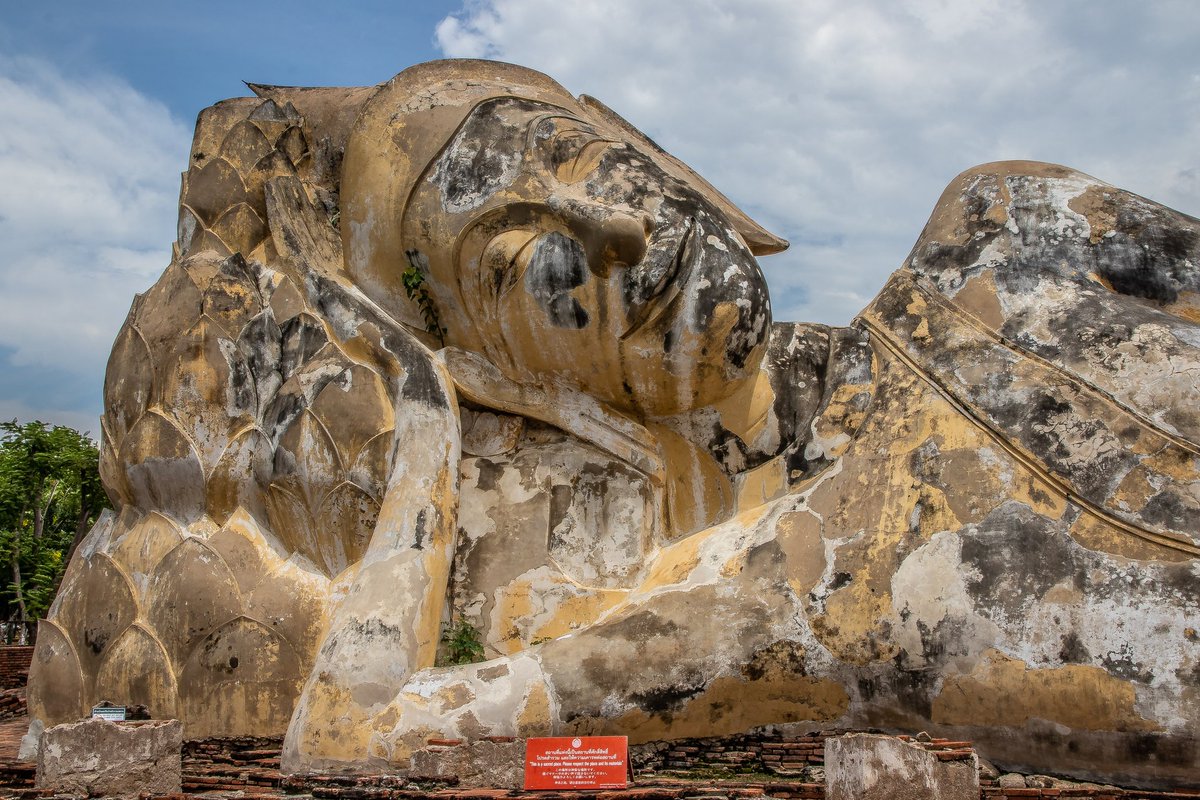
(535, 125)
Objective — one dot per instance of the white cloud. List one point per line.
(89, 182)
(838, 122)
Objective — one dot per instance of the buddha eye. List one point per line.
(574, 149)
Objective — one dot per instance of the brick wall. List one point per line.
(748, 753)
(14, 665)
(249, 764)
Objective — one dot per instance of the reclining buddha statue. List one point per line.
(464, 352)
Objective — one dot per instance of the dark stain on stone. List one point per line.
(95, 639)
(489, 474)
(557, 266)
(912, 689)
(840, 579)
(483, 156)
(419, 532)
(1168, 510)
(639, 627)
(784, 656)
(1148, 255)
(492, 673)
(302, 337)
(762, 558)
(797, 359)
(1073, 650)
(1015, 556)
(421, 384)
(665, 699)
(944, 640)
(561, 498)
(1121, 664)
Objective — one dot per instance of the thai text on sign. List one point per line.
(581, 762)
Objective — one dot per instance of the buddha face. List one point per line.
(559, 251)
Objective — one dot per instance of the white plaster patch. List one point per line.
(929, 590)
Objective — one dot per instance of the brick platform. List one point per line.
(14, 665)
(12, 703)
(249, 767)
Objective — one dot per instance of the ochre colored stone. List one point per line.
(463, 348)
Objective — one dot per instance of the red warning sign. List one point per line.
(581, 762)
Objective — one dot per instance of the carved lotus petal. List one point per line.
(346, 521)
(242, 680)
(273, 119)
(241, 476)
(162, 468)
(308, 455)
(294, 602)
(293, 523)
(303, 338)
(203, 268)
(286, 301)
(293, 144)
(273, 165)
(213, 188)
(191, 593)
(129, 383)
(258, 344)
(136, 671)
(171, 305)
(209, 244)
(56, 687)
(209, 390)
(139, 549)
(98, 604)
(186, 228)
(112, 473)
(213, 125)
(246, 549)
(240, 228)
(244, 145)
(354, 409)
(373, 467)
(232, 298)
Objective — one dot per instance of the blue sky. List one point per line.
(834, 122)
(189, 55)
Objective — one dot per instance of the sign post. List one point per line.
(111, 713)
(580, 762)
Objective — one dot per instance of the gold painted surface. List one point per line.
(731, 705)
(1003, 691)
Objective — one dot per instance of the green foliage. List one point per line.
(460, 645)
(414, 286)
(50, 495)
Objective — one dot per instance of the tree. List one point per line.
(50, 496)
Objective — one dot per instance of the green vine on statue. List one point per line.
(413, 279)
(461, 645)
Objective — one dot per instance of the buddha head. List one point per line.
(552, 238)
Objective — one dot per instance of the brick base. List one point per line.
(251, 765)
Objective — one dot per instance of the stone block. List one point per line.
(99, 758)
(494, 765)
(863, 766)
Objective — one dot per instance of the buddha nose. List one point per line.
(615, 239)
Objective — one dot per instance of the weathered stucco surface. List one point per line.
(464, 347)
